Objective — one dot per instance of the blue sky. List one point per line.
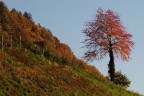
(66, 19)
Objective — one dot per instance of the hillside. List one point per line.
(33, 62)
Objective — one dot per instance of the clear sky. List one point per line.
(66, 19)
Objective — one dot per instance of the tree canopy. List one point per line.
(106, 35)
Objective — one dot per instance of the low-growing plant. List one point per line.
(121, 79)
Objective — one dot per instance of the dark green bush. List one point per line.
(121, 79)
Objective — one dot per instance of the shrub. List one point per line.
(121, 79)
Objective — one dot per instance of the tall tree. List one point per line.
(107, 36)
(27, 15)
(4, 16)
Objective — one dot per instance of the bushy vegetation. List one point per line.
(120, 79)
(43, 66)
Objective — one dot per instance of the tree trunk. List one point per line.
(111, 66)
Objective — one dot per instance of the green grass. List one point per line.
(27, 74)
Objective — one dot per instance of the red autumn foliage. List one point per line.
(106, 32)
(106, 35)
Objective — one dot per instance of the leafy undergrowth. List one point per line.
(23, 73)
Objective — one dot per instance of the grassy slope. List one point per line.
(27, 72)
(23, 73)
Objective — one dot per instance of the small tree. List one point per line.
(106, 35)
(121, 79)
